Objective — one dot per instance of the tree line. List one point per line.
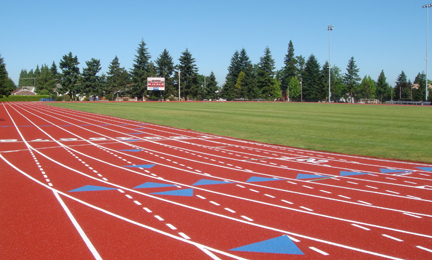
(298, 79)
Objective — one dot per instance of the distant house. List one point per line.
(24, 91)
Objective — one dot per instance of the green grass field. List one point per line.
(397, 132)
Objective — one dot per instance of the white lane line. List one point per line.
(393, 179)
(307, 187)
(147, 209)
(326, 191)
(413, 197)
(365, 228)
(78, 227)
(129, 196)
(394, 192)
(268, 195)
(137, 202)
(425, 249)
(319, 251)
(171, 226)
(230, 210)
(289, 202)
(424, 174)
(159, 217)
(411, 215)
(214, 203)
(394, 238)
(246, 218)
(184, 235)
(201, 197)
(254, 190)
(410, 182)
(352, 182)
(292, 182)
(367, 203)
(308, 209)
(120, 190)
(372, 187)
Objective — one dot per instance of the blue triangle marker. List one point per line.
(302, 176)
(427, 169)
(153, 185)
(131, 150)
(209, 182)
(278, 245)
(147, 166)
(91, 188)
(343, 173)
(258, 179)
(185, 193)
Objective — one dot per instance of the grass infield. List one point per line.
(396, 132)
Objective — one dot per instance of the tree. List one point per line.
(231, 78)
(211, 87)
(290, 69)
(240, 85)
(91, 81)
(402, 89)
(301, 64)
(117, 77)
(311, 79)
(70, 74)
(383, 89)
(5, 82)
(45, 81)
(294, 88)
(188, 76)
(351, 78)
(324, 82)
(140, 70)
(265, 74)
(165, 69)
(337, 85)
(367, 88)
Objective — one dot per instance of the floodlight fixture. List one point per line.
(329, 28)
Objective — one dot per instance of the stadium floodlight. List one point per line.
(427, 6)
(329, 28)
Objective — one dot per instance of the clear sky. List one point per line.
(379, 34)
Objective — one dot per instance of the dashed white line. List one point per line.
(147, 209)
(159, 217)
(411, 215)
(137, 202)
(214, 203)
(329, 192)
(410, 182)
(307, 187)
(129, 196)
(201, 197)
(230, 210)
(171, 226)
(365, 228)
(247, 218)
(394, 192)
(394, 238)
(319, 251)
(241, 186)
(289, 202)
(184, 235)
(308, 209)
(372, 187)
(254, 190)
(364, 202)
(268, 195)
(352, 182)
(425, 249)
(292, 182)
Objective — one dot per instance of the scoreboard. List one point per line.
(154, 83)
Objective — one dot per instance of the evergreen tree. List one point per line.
(265, 75)
(70, 74)
(231, 78)
(188, 76)
(37, 71)
(140, 70)
(290, 69)
(252, 90)
(5, 88)
(301, 64)
(311, 79)
(351, 78)
(337, 85)
(367, 88)
(294, 88)
(117, 78)
(383, 89)
(91, 81)
(45, 81)
(401, 90)
(165, 69)
(240, 85)
(211, 87)
(54, 71)
(324, 84)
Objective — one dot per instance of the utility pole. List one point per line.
(427, 6)
(329, 28)
(179, 84)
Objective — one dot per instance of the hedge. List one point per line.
(23, 98)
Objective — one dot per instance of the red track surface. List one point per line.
(223, 194)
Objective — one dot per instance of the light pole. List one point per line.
(427, 6)
(179, 84)
(329, 28)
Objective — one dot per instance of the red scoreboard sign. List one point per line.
(155, 83)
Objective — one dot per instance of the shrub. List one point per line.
(59, 98)
(87, 99)
(23, 98)
(66, 97)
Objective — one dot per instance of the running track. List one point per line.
(76, 185)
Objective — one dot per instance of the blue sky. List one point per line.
(380, 35)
